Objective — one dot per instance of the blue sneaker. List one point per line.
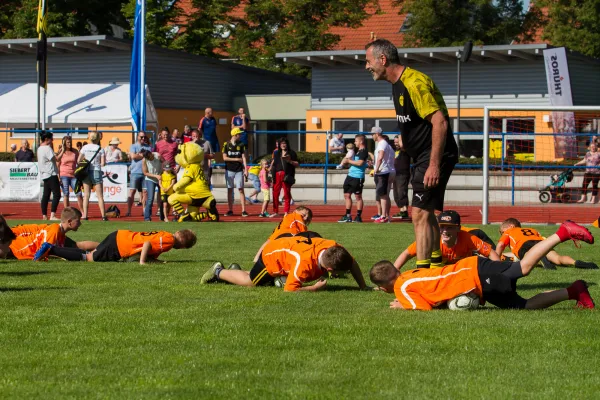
(376, 216)
(42, 251)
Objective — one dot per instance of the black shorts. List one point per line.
(525, 247)
(165, 198)
(354, 185)
(499, 282)
(107, 250)
(307, 234)
(430, 199)
(70, 243)
(259, 274)
(478, 233)
(382, 184)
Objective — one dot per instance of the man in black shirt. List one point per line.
(402, 167)
(427, 138)
(234, 155)
(355, 180)
(24, 154)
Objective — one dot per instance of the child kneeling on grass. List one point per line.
(123, 244)
(300, 259)
(492, 281)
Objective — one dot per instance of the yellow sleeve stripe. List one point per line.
(423, 93)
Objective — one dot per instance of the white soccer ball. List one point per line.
(469, 301)
(280, 281)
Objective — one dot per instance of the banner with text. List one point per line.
(19, 181)
(114, 184)
(559, 91)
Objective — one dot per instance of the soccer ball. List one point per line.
(280, 281)
(469, 301)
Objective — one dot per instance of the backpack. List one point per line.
(113, 212)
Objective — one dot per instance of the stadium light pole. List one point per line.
(462, 56)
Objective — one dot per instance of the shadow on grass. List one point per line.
(338, 288)
(25, 273)
(548, 285)
(31, 289)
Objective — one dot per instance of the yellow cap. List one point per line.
(236, 131)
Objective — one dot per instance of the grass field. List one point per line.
(121, 330)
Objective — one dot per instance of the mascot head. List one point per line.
(189, 153)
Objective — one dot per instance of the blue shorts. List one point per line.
(67, 182)
(234, 179)
(94, 177)
(136, 181)
(214, 143)
(255, 181)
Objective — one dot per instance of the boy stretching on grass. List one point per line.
(455, 244)
(300, 259)
(493, 281)
(521, 240)
(30, 237)
(123, 245)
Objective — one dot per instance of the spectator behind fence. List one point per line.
(384, 172)
(234, 155)
(168, 179)
(336, 144)
(592, 173)
(95, 154)
(67, 162)
(265, 186)
(112, 152)
(187, 134)
(152, 168)
(284, 163)
(208, 127)
(136, 176)
(24, 154)
(166, 147)
(402, 167)
(243, 122)
(49, 174)
(13, 148)
(176, 136)
(209, 154)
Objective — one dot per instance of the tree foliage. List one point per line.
(438, 23)
(160, 18)
(574, 24)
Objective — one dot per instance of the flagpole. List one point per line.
(37, 125)
(142, 44)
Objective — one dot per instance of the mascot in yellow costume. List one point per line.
(192, 189)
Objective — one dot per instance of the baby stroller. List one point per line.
(557, 187)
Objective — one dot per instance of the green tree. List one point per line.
(161, 18)
(437, 23)
(574, 24)
(65, 17)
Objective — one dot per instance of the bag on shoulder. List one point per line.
(289, 179)
(83, 167)
(113, 212)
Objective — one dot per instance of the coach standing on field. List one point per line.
(427, 138)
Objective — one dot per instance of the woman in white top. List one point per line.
(113, 152)
(94, 153)
(152, 169)
(49, 173)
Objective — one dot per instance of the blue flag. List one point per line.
(138, 111)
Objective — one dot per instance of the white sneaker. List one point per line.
(292, 202)
(339, 167)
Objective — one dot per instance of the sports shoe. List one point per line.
(547, 264)
(274, 215)
(228, 214)
(339, 167)
(345, 218)
(584, 300)
(210, 276)
(291, 202)
(43, 251)
(244, 214)
(235, 266)
(183, 218)
(400, 215)
(358, 219)
(376, 216)
(382, 220)
(570, 230)
(256, 201)
(585, 265)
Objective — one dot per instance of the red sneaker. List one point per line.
(570, 230)
(584, 299)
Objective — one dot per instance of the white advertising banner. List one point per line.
(19, 181)
(559, 91)
(114, 183)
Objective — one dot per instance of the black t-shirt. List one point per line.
(280, 165)
(234, 151)
(415, 97)
(26, 155)
(402, 162)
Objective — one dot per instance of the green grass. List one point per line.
(121, 330)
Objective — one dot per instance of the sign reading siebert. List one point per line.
(19, 181)
(559, 91)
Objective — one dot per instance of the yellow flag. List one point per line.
(42, 21)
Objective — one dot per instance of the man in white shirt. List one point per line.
(384, 172)
(336, 144)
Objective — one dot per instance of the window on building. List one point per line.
(406, 23)
(301, 141)
(347, 125)
(388, 125)
(519, 136)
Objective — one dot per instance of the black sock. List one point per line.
(358, 213)
(68, 253)
(348, 211)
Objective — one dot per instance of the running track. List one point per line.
(539, 214)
